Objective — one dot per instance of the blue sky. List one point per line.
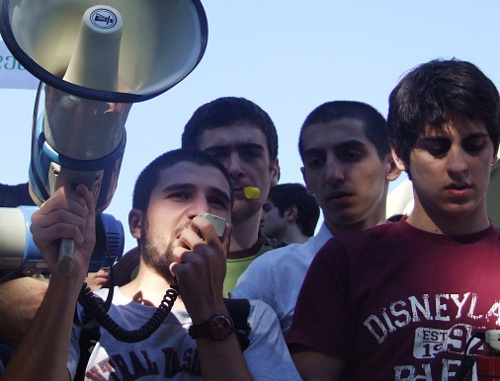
(288, 57)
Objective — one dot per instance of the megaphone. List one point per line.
(18, 251)
(96, 59)
(162, 41)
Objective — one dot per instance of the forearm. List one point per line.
(222, 360)
(19, 301)
(43, 351)
(200, 265)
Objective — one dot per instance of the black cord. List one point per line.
(94, 309)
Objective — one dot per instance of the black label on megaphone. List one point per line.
(103, 19)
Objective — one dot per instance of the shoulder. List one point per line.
(263, 271)
(348, 247)
(382, 231)
(268, 262)
(275, 256)
(266, 341)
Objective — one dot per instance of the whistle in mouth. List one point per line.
(251, 192)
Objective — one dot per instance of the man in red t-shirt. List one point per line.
(401, 301)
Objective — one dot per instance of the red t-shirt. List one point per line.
(395, 302)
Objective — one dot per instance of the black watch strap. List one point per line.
(218, 327)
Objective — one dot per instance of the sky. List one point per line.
(288, 57)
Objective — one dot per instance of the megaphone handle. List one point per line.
(65, 259)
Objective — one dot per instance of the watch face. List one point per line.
(221, 327)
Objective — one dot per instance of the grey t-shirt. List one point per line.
(170, 353)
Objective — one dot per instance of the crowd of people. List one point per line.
(367, 296)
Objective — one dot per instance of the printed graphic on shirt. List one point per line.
(137, 364)
(462, 315)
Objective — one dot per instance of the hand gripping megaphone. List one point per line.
(18, 252)
(96, 59)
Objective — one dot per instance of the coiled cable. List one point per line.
(94, 309)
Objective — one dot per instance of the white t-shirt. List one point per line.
(276, 276)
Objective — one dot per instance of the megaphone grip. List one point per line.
(65, 259)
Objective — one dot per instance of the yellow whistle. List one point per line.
(251, 192)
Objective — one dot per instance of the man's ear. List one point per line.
(304, 176)
(275, 172)
(393, 171)
(292, 213)
(135, 221)
(400, 164)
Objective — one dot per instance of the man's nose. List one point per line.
(199, 204)
(457, 160)
(234, 166)
(334, 170)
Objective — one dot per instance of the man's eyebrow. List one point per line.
(313, 151)
(349, 144)
(343, 145)
(476, 135)
(177, 186)
(245, 145)
(189, 186)
(219, 192)
(421, 142)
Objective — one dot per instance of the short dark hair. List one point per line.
(150, 176)
(224, 112)
(285, 195)
(374, 124)
(437, 92)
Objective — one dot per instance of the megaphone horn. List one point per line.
(96, 59)
(162, 42)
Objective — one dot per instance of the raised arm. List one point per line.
(200, 266)
(67, 214)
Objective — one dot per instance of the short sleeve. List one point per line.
(323, 319)
(267, 356)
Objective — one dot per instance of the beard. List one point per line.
(156, 250)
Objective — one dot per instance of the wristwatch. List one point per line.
(218, 327)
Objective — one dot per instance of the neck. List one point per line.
(452, 224)
(292, 235)
(149, 288)
(245, 233)
(375, 218)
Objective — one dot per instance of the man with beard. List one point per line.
(242, 136)
(197, 339)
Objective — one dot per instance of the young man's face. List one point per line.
(344, 172)
(184, 190)
(272, 224)
(242, 149)
(450, 169)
